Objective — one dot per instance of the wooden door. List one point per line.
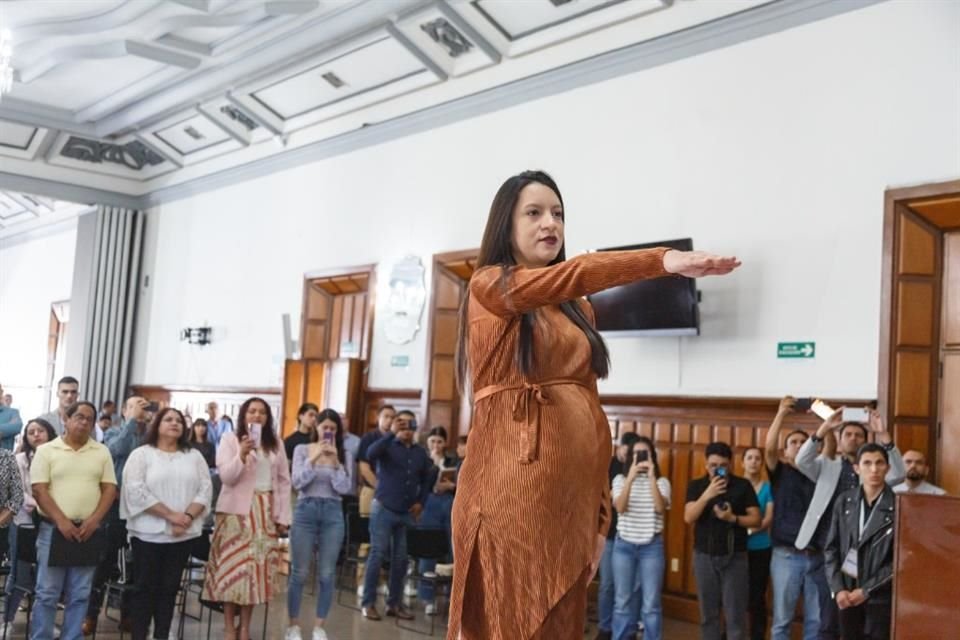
(915, 343)
(949, 433)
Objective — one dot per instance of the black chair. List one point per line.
(357, 534)
(196, 563)
(117, 591)
(26, 552)
(427, 544)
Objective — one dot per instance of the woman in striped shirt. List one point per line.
(640, 498)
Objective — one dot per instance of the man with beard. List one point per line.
(916, 481)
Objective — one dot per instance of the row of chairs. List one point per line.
(422, 544)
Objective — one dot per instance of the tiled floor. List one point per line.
(343, 624)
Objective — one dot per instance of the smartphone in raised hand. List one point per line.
(822, 409)
(255, 431)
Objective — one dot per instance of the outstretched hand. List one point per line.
(695, 264)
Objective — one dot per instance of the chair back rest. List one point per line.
(358, 528)
(427, 543)
(27, 544)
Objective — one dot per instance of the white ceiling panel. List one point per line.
(15, 136)
(191, 135)
(77, 84)
(19, 15)
(518, 28)
(366, 68)
(442, 35)
(209, 35)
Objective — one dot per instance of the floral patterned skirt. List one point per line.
(244, 556)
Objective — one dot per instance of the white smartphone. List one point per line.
(254, 430)
(822, 409)
(853, 414)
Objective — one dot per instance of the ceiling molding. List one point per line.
(424, 59)
(116, 49)
(756, 22)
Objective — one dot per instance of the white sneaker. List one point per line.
(319, 634)
(293, 633)
(410, 591)
(430, 609)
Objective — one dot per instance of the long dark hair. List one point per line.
(496, 250)
(333, 416)
(29, 449)
(268, 437)
(192, 438)
(152, 436)
(653, 454)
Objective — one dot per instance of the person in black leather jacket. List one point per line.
(859, 551)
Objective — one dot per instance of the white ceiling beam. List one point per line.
(115, 49)
(290, 7)
(25, 203)
(230, 131)
(415, 51)
(176, 42)
(48, 139)
(199, 5)
(263, 122)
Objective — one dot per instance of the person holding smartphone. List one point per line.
(721, 506)
(322, 474)
(641, 497)
(253, 510)
(438, 506)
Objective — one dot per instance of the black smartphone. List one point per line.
(153, 407)
(643, 455)
(802, 404)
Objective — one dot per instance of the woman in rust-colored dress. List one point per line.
(533, 501)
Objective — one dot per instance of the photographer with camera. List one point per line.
(641, 498)
(721, 506)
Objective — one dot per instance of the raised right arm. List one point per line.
(526, 289)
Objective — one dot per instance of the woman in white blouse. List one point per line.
(640, 498)
(165, 492)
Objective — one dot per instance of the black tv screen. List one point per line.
(663, 306)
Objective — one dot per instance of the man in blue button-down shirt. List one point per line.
(10, 424)
(405, 476)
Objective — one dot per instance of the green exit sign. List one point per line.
(796, 349)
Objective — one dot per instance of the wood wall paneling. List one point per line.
(915, 312)
(949, 464)
(912, 384)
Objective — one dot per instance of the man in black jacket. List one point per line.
(859, 551)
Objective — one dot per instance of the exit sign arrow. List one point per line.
(796, 349)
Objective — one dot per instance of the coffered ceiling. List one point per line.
(132, 96)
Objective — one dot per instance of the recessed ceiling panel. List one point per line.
(75, 85)
(520, 19)
(192, 135)
(366, 68)
(15, 136)
(447, 42)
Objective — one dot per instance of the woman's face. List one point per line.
(256, 413)
(642, 446)
(200, 431)
(36, 434)
(309, 419)
(752, 461)
(436, 445)
(327, 426)
(537, 236)
(171, 425)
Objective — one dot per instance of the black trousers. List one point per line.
(869, 621)
(108, 568)
(159, 570)
(759, 567)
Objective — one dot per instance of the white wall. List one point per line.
(778, 150)
(33, 274)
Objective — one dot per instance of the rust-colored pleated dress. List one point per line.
(533, 492)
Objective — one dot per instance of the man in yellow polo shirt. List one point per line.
(74, 485)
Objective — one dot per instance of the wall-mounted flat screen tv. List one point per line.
(659, 307)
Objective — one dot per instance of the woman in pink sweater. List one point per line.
(253, 510)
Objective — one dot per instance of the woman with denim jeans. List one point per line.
(321, 475)
(640, 498)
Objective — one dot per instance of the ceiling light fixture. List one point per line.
(6, 56)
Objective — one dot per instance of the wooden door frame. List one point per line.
(332, 272)
(894, 201)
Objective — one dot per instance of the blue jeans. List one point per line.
(74, 582)
(317, 528)
(436, 515)
(386, 528)
(638, 579)
(792, 573)
(606, 592)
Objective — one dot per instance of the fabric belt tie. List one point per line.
(526, 410)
